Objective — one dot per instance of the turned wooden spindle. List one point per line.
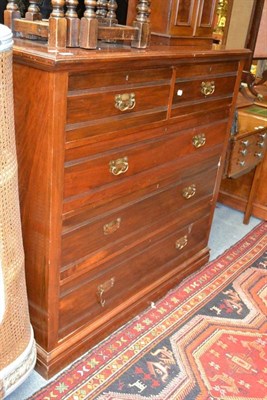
(57, 25)
(142, 23)
(101, 9)
(111, 15)
(33, 13)
(89, 26)
(73, 23)
(143, 11)
(11, 12)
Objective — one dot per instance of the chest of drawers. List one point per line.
(120, 157)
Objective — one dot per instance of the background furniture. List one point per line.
(237, 192)
(64, 27)
(183, 22)
(249, 183)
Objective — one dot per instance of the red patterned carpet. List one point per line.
(205, 340)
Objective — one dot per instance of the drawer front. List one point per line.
(107, 79)
(202, 94)
(207, 69)
(104, 237)
(116, 103)
(246, 153)
(95, 296)
(90, 172)
(109, 100)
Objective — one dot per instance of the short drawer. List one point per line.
(120, 102)
(206, 69)
(246, 153)
(109, 100)
(105, 80)
(90, 172)
(101, 238)
(97, 295)
(200, 94)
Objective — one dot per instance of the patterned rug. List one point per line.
(205, 340)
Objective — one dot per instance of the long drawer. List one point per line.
(92, 241)
(92, 172)
(93, 296)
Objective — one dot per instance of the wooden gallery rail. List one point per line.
(65, 29)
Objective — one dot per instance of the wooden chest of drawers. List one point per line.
(120, 157)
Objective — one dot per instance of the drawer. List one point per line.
(246, 153)
(91, 172)
(202, 94)
(110, 197)
(209, 69)
(92, 297)
(107, 79)
(114, 99)
(104, 237)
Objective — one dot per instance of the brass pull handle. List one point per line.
(181, 243)
(101, 289)
(199, 140)
(189, 191)
(125, 101)
(112, 226)
(207, 88)
(119, 166)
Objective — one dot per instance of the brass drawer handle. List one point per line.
(101, 289)
(199, 140)
(112, 226)
(181, 243)
(125, 101)
(207, 88)
(189, 191)
(119, 166)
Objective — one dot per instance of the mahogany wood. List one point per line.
(87, 230)
(181, 22)
(64, 28)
